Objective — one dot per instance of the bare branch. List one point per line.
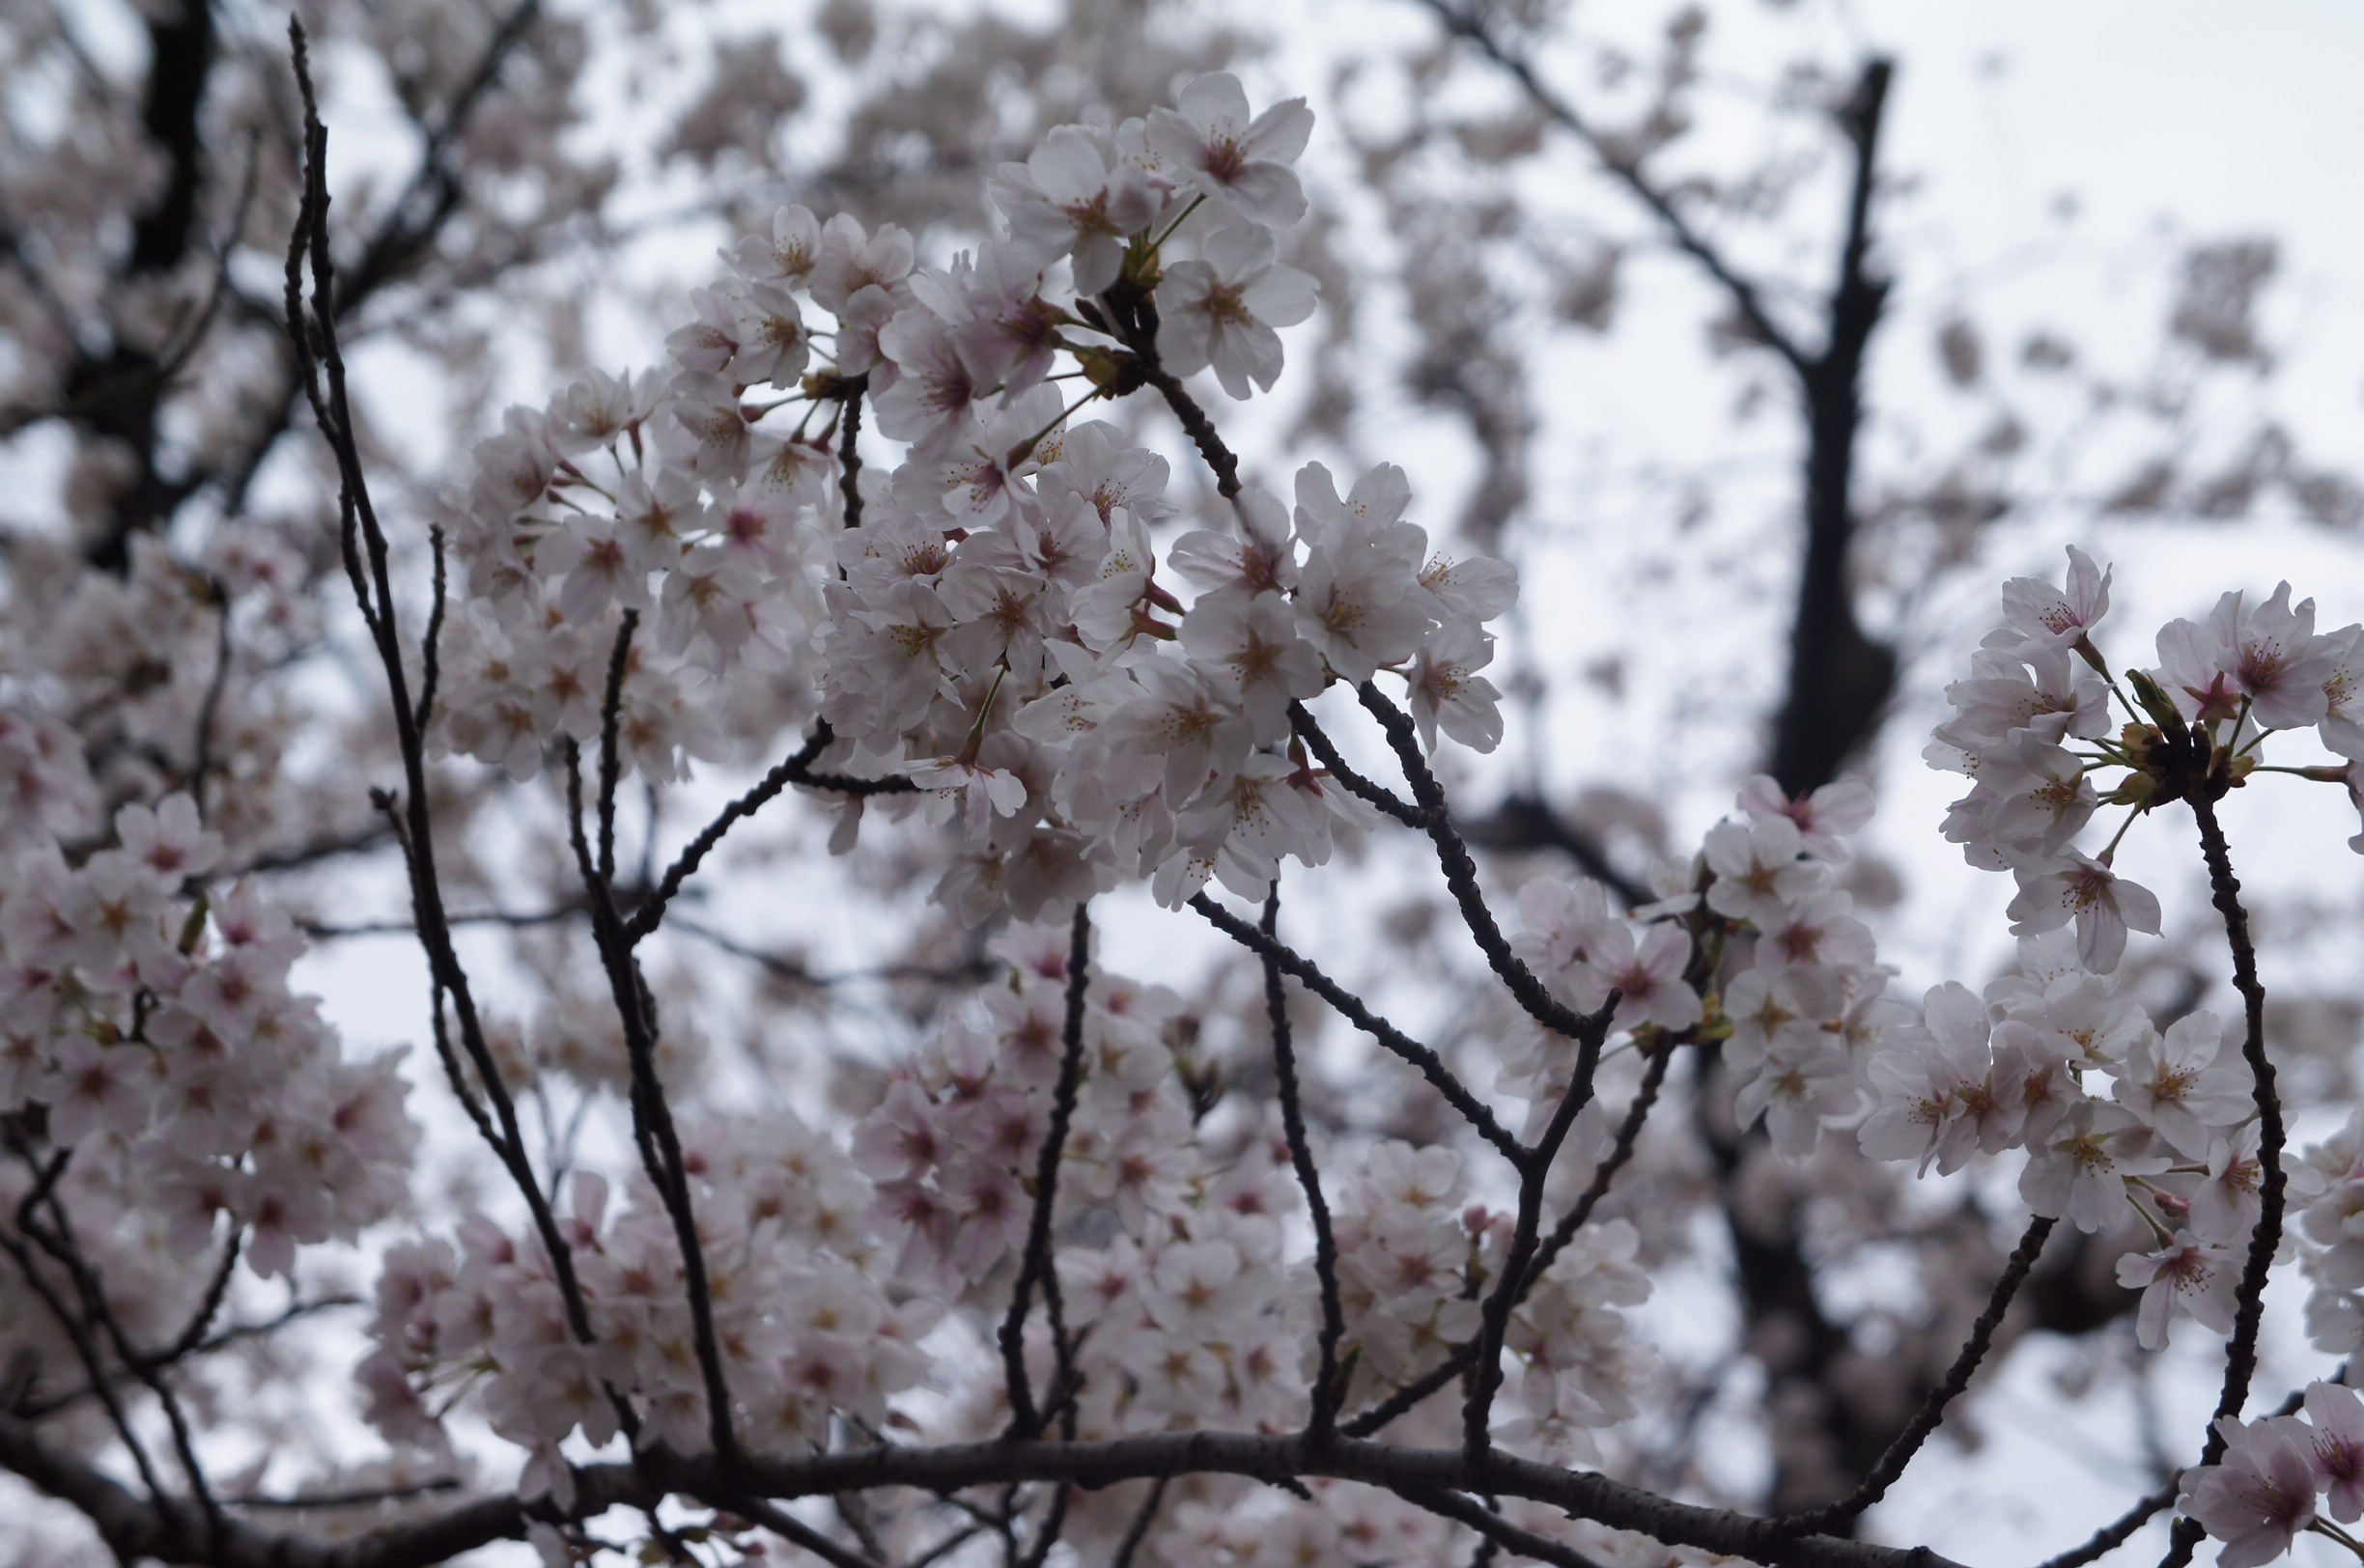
(796, 769)
(1326, 1392)
(1350, 1007)
(2250, 1296)
(2114, 1534)
(1900, 1454)
(1036, 1267)
(1463, 21)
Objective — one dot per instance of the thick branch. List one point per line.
(161, 1529)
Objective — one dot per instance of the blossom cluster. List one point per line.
(998, 625)
(2263, 1493)
(808, 1329)
(2174, 1142)
(1802, 992)
(2040, 688)
(149, 1016)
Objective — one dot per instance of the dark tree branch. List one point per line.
(359, 1499)
(1412, 1394)
(611, 707)
(1523, 822)
(1485, 1371)
(1323, 1417)
(849, 452)
(133, 1526)
(2250, 1296)
(1036, 1267)
(2114, 1534)
(1461, 878)
(1431, 1066)
(314, 337)
(1900, 1452)
(1301, 719)
(796, 769)
(1464, 21)
(653, 1130)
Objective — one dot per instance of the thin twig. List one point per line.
(1461, 878)
(2114, 1534)
(1907, 1444)
(1465, 22)
(1323, 1419)
(1301, 719)
(315, 339)
(1534, 1171)
(2250, 1296)
(1350, 1007)
(1036, 1268)
(611, 706)
(797, 769)
(794, 1530)
(1138, 1531)
(1500, 1531)
(653, 1129)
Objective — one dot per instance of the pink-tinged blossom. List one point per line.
(1940, 1097)
(1569, 927)
(930, 403)
(2187, 1278)
(2341, 727)
(2256, 1499)
(2040, 798)
(98, 1088)
(2279, 663)
(2175, 1084)
(2047, 617)
(1650, 981)
(2041, 691)
(773, 343)
(1254, 642)
(706, 345)
(2332, 1438)
(1253, 561)
(1796, 1093)
(1074, 196)
(705, 428)
(1006, 332)
(2078, 887)
(2227, 1203)
(853, 259)
(2265, 660)
(789, 253)
(1208, 141)
(1759, 870)
(1357, 597)
(1823, 818)
(1445, 691)
(601, 409)
(1094, 462)
(2078, 1172)
(1220, 308)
